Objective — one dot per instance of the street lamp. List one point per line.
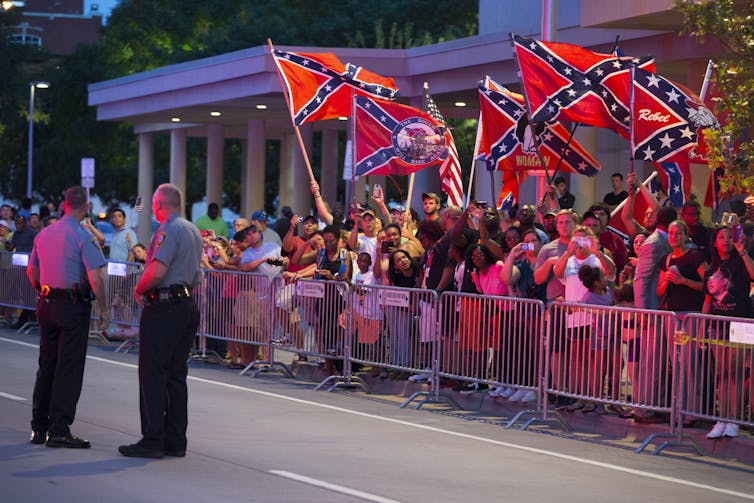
(32, 87)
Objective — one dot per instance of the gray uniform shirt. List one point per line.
(177, 244)
(64, 253)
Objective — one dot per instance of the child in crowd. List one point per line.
(603, 347)
(367, 315)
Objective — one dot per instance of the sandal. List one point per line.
(575, 406)
(590, 407)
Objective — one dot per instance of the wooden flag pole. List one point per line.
(290, 109)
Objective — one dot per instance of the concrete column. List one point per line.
(328, 182)
(146, 186)
(214, 184)
(253, 176)
(178, 160)
(299, 195)
(584, 188)
(286, 179)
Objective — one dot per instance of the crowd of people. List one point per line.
(672, 261)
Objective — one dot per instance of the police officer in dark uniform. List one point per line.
(66, 268)
(168, 326)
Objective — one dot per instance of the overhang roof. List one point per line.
(235, 83)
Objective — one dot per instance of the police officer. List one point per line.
(66, 268)
(168, 326)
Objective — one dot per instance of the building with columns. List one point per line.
(238, 95)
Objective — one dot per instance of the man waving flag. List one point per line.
(319, 86)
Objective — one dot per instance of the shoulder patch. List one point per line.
(161, 238)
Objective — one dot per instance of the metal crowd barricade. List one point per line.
(490, 340)
(312, 321)
(716, 361)
(235, 307)
(395, 329)
(121, 279)
(16, 290)
(610, 356)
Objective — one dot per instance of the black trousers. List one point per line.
(166, 334)
(64, 335)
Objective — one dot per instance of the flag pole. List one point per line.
(537, 140)
(353, 145)
(707, 76)
(631, 153)
(477, 141)
(290, 109)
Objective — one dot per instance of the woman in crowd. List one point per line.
(402, 272)
(726, 293)
(518, 274)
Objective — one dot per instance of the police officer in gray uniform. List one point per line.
(167, 329)
(66, 268)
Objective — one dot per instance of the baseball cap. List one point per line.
(259, 216)
(309, 217)
(398, 208)
(5, 223)
(551, 213)
(368, 211)
(431, 195)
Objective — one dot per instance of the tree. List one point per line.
(142, 35)
(731, 22)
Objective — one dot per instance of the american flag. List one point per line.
(568, 82)
(319, 86)
(666, 119)
(450, 169)
(507, 140)
(396, 139)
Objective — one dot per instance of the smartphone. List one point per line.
(728, 218)
(385, 247)
(376, 190)
(527, 246)
(583, 241)
(738, 233)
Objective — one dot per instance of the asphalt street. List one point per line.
(271, 439)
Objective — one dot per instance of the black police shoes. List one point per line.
(38, 437)
(69, 441)
(175, 453)
(139, 451)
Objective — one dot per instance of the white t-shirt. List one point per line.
(574, 288)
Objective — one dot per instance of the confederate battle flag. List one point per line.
(666, 120)
(568, 82)
(395, 139)
(319, 86)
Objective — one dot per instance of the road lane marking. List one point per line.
(533, 450)
(12, 397)
(332, 487)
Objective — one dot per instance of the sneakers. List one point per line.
(423, 377)
(530, 396)
(731, 430)
(494, 393)
(473, 388)
(720, 430)
(717, 431)
(509, 392)
(517, 396)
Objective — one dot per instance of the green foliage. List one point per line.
(731, 23)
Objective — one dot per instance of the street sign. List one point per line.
(87, 172)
